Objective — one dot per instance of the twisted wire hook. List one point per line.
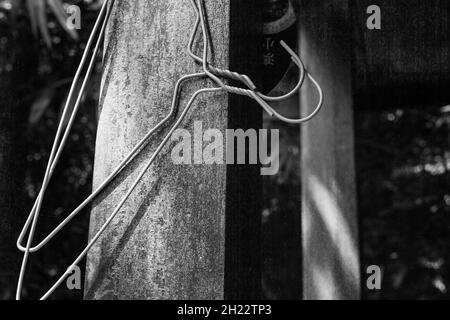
(259, 97)
(220, 72)
(242, 77)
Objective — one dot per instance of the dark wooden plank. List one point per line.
(407, 60)
(243, 198)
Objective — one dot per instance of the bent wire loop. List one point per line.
(209, 72)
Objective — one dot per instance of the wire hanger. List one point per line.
(260, 98)
(209, 72)
(59, 142)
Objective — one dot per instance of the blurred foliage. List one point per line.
(40, 82)
(403, 159)
(403, 173)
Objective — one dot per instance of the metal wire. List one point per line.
(209, 71)
(258, 96)
(58, 145)
(130, 190)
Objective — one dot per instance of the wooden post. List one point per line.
(330, 239)
(170, 240)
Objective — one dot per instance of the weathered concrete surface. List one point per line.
(329, 221)
(168, 240)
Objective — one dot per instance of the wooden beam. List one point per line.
(329, 221)
(406, 61)
(244, 188)
(169, 240)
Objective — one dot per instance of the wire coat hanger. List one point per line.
(209, 72)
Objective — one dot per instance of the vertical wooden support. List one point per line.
(168, 241)
(244, 189)
(331, 267)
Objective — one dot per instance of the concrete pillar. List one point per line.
(170, 240)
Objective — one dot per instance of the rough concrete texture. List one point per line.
(167, 242)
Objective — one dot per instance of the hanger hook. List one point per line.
(243, 78)
(299, 63)
(259, 97)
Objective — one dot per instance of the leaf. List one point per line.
(43, 100)
(37, 10)
(42, 23)
(40, 105)
(96, 5)
(61, 15)
(31, 12)
(445, 109)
